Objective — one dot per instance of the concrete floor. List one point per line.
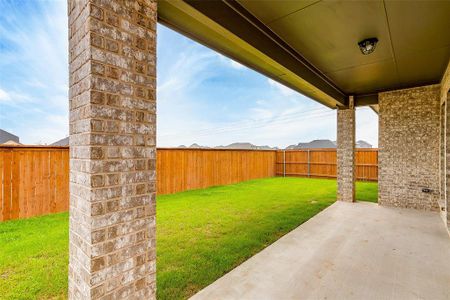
(348, 251)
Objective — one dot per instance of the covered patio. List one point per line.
(390, 55)
(348, 251)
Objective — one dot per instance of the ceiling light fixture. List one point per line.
(367, 46)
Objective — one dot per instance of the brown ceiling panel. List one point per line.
(327, 33)
(366, 79)
(418, 25)
(420, 33)
(422, 67)
(268, 11)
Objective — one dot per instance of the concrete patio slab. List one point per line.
(348, 251)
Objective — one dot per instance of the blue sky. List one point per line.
(203, 97)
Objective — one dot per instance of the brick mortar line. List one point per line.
(121, 69)
(79, 13)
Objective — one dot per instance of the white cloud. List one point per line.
(284, 90)
(13, 98)
(236, 65)
(177, 108)
(230, 62)
(4, 96)
(188, 71)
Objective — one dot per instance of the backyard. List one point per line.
(201, 235)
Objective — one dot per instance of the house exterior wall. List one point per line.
(112, 252)
(345, 153)
(409, 138)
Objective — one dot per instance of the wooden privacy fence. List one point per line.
(321, 163)
(35, 180)
(184, 169)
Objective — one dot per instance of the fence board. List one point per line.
(6, 211)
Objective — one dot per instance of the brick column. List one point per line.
(112, 148)
(345, 153)
(446, 174)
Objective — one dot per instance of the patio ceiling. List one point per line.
(311, 46)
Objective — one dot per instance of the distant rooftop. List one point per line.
(326, 144)
(61, 142)
(6, 136)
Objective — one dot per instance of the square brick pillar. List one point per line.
(112, 149)
(346, 153)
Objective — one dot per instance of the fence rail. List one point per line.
(35, 180)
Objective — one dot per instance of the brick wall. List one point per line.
(442, 156)
(112, 155)
(345, 154)
(445, 147)
(409, 147)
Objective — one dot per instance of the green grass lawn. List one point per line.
(201, 235)
(367, 191)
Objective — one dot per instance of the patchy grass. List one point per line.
(201, 235)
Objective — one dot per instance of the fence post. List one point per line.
(284, 163)
(309, 164)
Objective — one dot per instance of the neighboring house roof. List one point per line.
(11, 143)
(245, 146)
(326, 144)
(5, 136)
(195, 145)
(62, 142)
(238, 146)
(314, 144)
(363, 144)
(318, 144)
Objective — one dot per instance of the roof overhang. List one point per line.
(311, 46)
